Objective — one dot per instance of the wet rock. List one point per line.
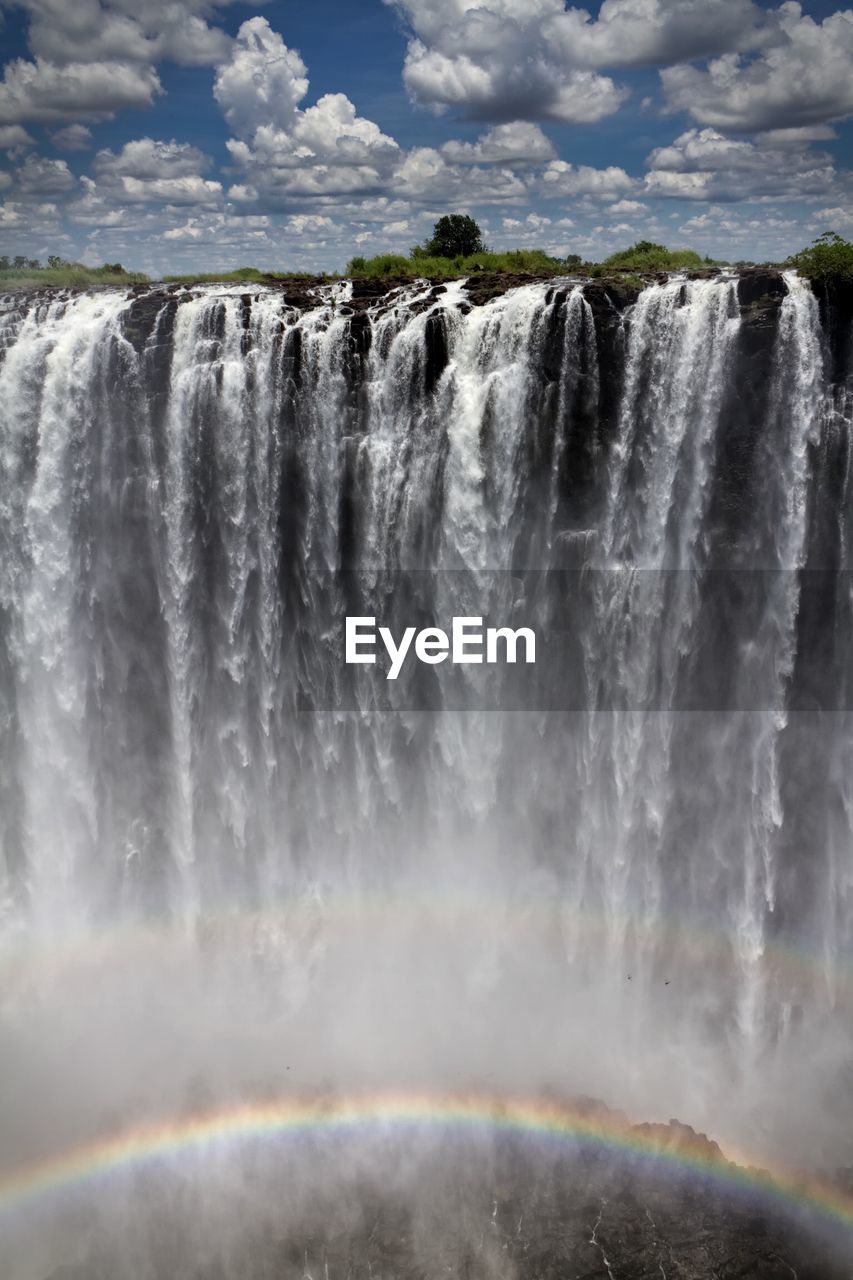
(761, 287)
(510, 1208)
(436, 351)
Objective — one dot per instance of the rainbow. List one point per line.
(291, 1117)
(691, 938)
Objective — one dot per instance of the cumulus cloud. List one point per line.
(536, 59)
(125, 31)
(499, 60)
(39, 176)
(517, 142)
(189, 190)
(48, 93)
(224, 228)
(94, 57)
(152, 158)
(149, 169)
(832, 218)
(74, 137)
(631, 33)
(804, 78)
(627, 207)
(13, 137)
(535, 90)
(287, 151)
(425, 175)
(309, 222)
(32, 218)
(262, 82)
(703, 164)
(563, 179)
(96, 208)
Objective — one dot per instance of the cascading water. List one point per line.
(628, 890)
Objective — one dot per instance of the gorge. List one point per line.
(231, 866)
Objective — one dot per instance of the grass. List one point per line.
(241, 274)
(70, 273)
(535, 261)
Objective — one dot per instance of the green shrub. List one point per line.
(237, 275)
(645, 255)
(522, 261)
(830, 256)
(68, 274)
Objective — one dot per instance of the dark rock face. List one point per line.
(468, 1210)
(758, 286)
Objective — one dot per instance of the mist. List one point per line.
(232, 869)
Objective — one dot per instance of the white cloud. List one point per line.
(13, 137)
(630, 33)
(759, 234)
(125, 31)
(152, 158)
(425, 175)
(39, 176)
(300, 223)
(150, 169)
(288, 152)
(47, 93)
(262, 82)
(504, 89)
(22, 221)
(799, 137)
(539, 60)
(74, 137)
(627, 206)
(517, 142)
(833, 218)
(533, 222)
(563, 179)
(223, 228)
(327, 152)
(499, 60)
(189, 190)
(703, 164)
(804, 78)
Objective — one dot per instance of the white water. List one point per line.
(415, 892)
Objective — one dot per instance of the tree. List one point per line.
(54, 261)
(20, 262)
(4, 262)
(455, 236)
(829, 257)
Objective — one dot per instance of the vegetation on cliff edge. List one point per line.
(535, 261)
(251, 275)
(829, 257)
(30, 271)
(645, 255)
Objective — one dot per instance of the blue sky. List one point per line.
(198, 134)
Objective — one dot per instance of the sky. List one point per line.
(189, 135)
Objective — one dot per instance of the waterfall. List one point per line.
(196, 486)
